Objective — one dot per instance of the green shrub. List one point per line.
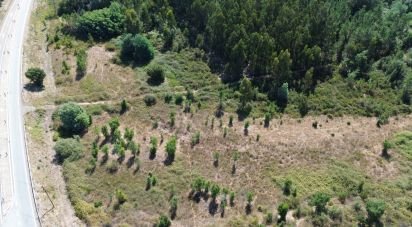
(121, 196)
(179, 99)
(283, 210)
(36, 76)
(386, 146)
(195, 139)
(101, 24)
(81, 61)
(68, 149)
(156, 74)
(375, 209)
(137, 49)
(153, 146)
(114, 124)
(249, 197)
(215, 189)
(319, 200)
(73, 117)
(168, 98)
(269, 218)
(232, 198)
(150, 100)
(171, 148)
(163, 221)
(282, 96)
(113, 166)
(267, 119)
(172, 119)
(124, 106)
(335, 213)
(230, 120)
(287, 187)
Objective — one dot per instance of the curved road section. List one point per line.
(17, 202)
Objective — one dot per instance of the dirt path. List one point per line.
(54, 206)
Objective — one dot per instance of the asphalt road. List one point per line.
(22, 212)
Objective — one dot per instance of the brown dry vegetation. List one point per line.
(341, 152)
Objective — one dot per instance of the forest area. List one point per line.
(293, 45)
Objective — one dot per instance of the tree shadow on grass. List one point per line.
(213, 207)
(121, 159)
(104, 160)
(248, 209)
(168, 161)
(33, 87)
(130, 162)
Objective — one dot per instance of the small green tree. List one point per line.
(232, 198)
(105, 151)
(214, 191)
(283, 93)
(235, 158)
(386, 146)
(163, 221)
(153, 146)
(375, 209)
(81, 61)
(319, 200)
(149, 181)
(114, 124)
(198, 184)
(134, 148)
(172, 118)
(283, 210)
(171, 148)
(124, 106)
(195, 139)
(129, 134)
(216, 158)
(36, 76)
(246, 128)
(121, 152)
(95, 150)
(173, 206)
(267, 119)
(121, 196)
(230, 121)
(105, 131)
(269, 218)
(249, 197)
(117, 136)
(287, 187)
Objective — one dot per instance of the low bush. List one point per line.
(68, 149)
(156, 74)
(136, 49)
(150, 100)
(36, 76)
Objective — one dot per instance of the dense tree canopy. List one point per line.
(272, 42)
